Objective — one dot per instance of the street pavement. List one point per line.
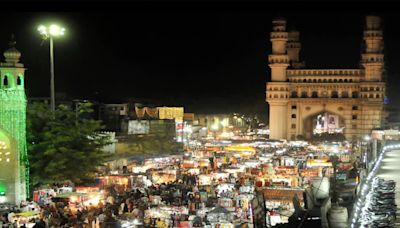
(390, 170)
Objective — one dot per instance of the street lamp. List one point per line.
(48, 33)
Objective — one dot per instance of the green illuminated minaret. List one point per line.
(14, 165)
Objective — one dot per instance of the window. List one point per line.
(354, 117)
(293, 116)
(345, 94)
(304, 94)
(5, 81)
(334, 94)
(377, 96)
(19, 80)
(371, 96)
(294, 107)
(354, 107)
(294, 94)
(293, 126)
(354, 94)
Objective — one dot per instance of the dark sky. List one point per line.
(208, 59)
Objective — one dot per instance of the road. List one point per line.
(390, 170)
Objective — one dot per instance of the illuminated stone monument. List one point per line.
(14, 167)
(300, 100)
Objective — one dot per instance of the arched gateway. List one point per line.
(296, 95)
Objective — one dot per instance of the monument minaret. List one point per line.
(278, 88)
(14, 168)
(372, 57)
(293, 49)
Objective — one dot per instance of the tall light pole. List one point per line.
(49, 33)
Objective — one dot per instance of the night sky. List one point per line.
(209, 59)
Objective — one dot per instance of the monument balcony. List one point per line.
(325, 72)
(373, 33)
(293, 45)
(279, 36)
(278, 59)
(325, 99)
(324, 79)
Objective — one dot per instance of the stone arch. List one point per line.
(334, 94)
(325, 80)
(330, 80)
(308, 117)
(9, 162)
(377, 96)
(340, 80)
(275, 95)
(345, 80)
(354, 94)
(5, 80)
(345, 94)
(19, 80)
(314, 94)
(314, 80)
(294, 94)
(335, 80)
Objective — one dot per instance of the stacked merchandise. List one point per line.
(380, 207)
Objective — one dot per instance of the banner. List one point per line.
(138, 127)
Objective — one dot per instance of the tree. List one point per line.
(62, 146)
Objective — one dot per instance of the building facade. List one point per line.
(352, 99)
(14, 167)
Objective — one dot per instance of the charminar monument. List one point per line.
(305, 101)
